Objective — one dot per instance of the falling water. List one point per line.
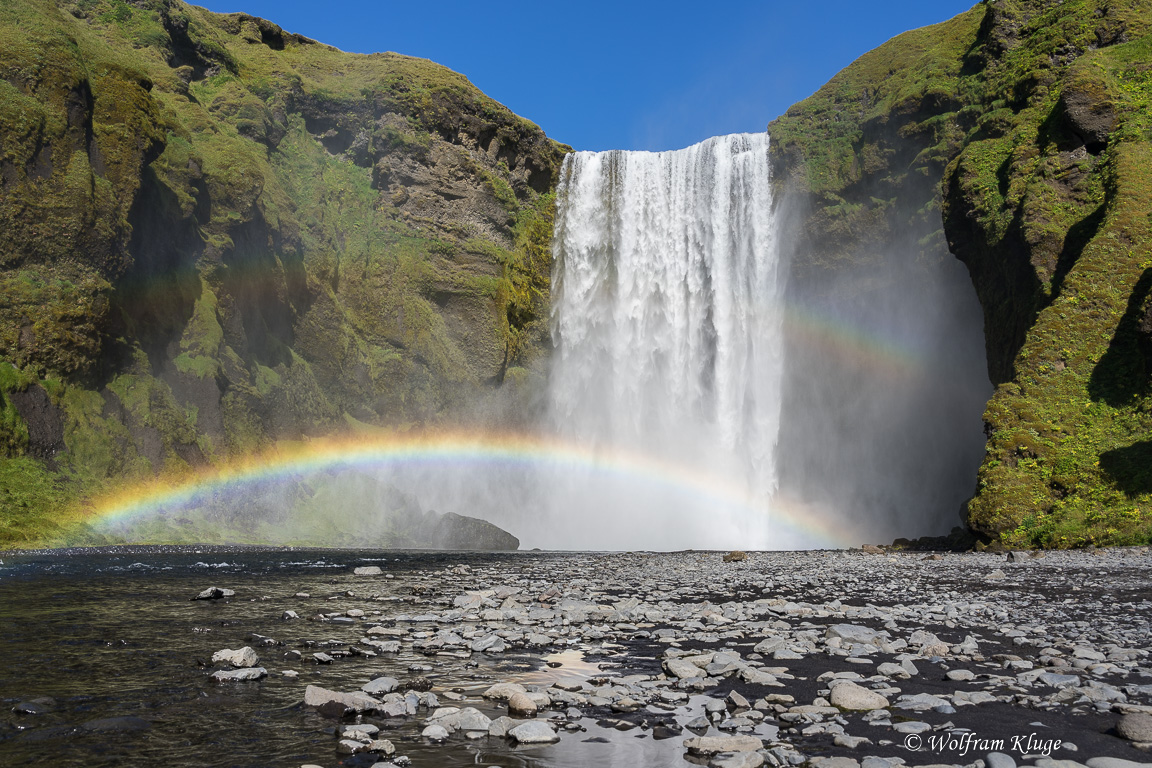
(666, 322)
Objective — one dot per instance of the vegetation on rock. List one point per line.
(219, 235)
(1019, 131)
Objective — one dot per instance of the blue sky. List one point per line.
(620, 75)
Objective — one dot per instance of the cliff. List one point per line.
(219, 235)
(1019, 134)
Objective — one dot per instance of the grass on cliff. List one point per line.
(1057, 238)
(260, 252)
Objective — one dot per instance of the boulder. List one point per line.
(534, 732)
(1136, 726)
(503, 691)
(435, 732)
(681, 669)
(849, 695)
(242, 657)
(521, 705)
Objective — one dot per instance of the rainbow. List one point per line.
(455, 449)
(852, 344)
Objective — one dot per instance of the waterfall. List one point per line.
(667, 326)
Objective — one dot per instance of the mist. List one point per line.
(885, 383)
(711, 387)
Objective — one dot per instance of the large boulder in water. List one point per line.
(452, 531)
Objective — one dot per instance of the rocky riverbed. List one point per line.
(832, 659)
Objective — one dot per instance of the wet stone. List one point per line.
(534, 732)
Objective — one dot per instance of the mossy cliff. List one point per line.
(1020, 133)
(218, 235)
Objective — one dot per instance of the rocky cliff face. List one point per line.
(219, 235)
(1019, 134)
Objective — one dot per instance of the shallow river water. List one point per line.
(107, 658)
(115, 635)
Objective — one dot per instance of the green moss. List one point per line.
(194, 201)
(1056, 238)
(31, 501)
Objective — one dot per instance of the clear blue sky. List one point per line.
(620, 75)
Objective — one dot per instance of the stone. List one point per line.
(853, 633)
(214, 593)
(463, 719)
(736, 701)
(1136, 726)
(737, 760)
(682, 670)
(999, 760)
(1048, 762)
(770, 645)
(435, 732)
(350, 747)
(242, 657)
(489, 644)
(383, 746)
(521, 705)
(233, 675)
(1114, 762)
(1057, 680)
(757, 676)
(849, 695)
(380, 686)
(911, 726)
(315, 696)
(920, 702)
(534, 732)
(960, 675)
(833, 762)
(503, 691)
(367, 570)
(360, 731)
(289, 615)
(710, 745)
(501, 725)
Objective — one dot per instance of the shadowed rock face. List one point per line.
(45, 427)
